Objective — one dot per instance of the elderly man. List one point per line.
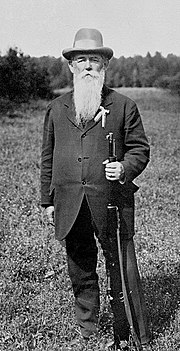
(75, 178)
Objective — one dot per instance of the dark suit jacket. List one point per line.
(72, 161)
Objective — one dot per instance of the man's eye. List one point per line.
(95, 59)
(82, 59)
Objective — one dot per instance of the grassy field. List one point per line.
(37, 306)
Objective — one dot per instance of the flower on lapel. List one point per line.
(102, 115)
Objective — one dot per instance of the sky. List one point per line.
(129, 27)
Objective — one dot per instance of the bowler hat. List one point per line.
(88, 40)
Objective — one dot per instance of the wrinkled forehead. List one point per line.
(87, 56)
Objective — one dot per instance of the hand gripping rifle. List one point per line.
(114, 237)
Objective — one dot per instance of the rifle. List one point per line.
(115, 243)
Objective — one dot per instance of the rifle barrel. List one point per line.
(112, 156)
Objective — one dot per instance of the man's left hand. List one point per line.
(114, 171)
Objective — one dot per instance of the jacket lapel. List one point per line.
(69, 108)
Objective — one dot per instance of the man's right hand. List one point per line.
(49, 213)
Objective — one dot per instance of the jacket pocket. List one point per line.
(129, 188)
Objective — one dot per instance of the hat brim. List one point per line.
(104, 51)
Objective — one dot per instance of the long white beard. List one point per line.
(87, 94)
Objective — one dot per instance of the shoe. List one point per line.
(122, 346)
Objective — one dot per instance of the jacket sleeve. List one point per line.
(136, 146)
(47, 159)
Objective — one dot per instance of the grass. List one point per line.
(36, 300)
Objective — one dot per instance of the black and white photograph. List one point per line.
(90, 175)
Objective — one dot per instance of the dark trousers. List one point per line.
(82, 261)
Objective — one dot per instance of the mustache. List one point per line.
(92, 74)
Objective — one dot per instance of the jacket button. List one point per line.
(79, 159)
(83, 182)
(84, 135)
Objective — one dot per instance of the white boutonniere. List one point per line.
(102, 115)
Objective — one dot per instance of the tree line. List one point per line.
(24, 77)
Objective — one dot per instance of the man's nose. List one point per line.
(88, 65)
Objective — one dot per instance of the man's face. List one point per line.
(87, 64)
(89, 74)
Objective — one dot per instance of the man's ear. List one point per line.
(71, 67)
(106, 63)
